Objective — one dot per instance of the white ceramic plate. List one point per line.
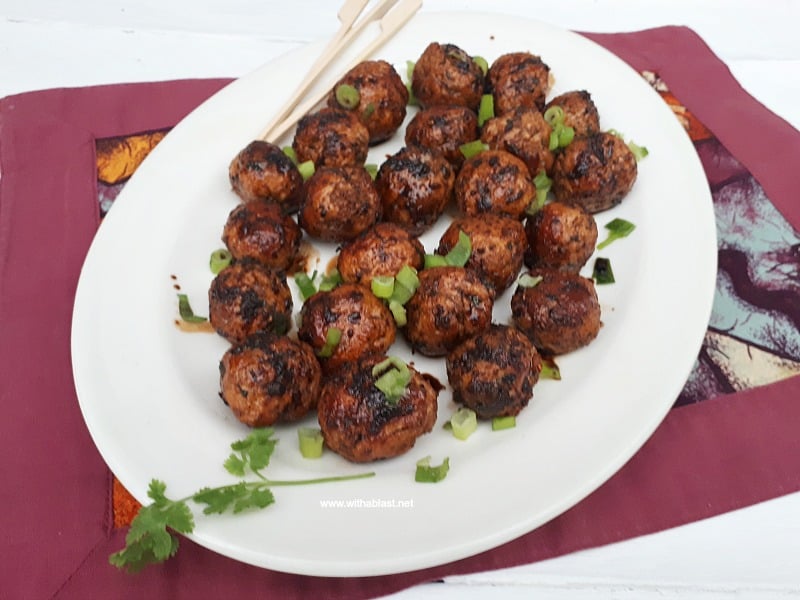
(148, 392)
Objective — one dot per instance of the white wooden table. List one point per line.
(751, 553)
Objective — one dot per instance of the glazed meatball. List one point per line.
(494, 372)
(338, 203)
(260, 231)
(525, 134)
(560, 237)
(444, 128)
(382, 98)
(247, 297)
(359, 423)
(494, 181)
(331, 138)
(415, 184)
(382, 250)
(559, 314)
(518, 79)
(498, 247)
(365, 323)
(261, 171)
(268, 379)
(594, 172)
(580, 112)
(450, 305)
(445, 74)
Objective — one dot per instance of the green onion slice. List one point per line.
(330, 281)
(486, 109)
(372, 169)
(482, 63)
(426, 473)
(310, 441)
(528, 281)
(472, 148)
(434, 260)
(347, 96)
(460, 253)
(500, 423)
(550, 370)
(463, 423)
(382, 286)
(186, 312)
(332, 337)
(306, 169)
(553, 115)
(639, 152)
(553, 144)
(305, 284)
(398, 312)
(602, 272)
(369, 109)
(412, 99)
(393, 376)
(565, 136)
(617, 229)
(400, 294)
(289, 151)
(407, 277)
(219, 259)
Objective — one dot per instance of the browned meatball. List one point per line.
(594, 172)
(450, 305)
(260, 231)
(415, 184)
(580, 112)
(560, 237)
(365, 323)
(525, 134)
(494, 181)
(261, 171)
(331, 138)
(444, 128)
(518, 79)
(338, 203)
(382, 98)
(382, 250)
(494, 372)
(498, 246)
(560, 314)
(446, 74)
(268, 379)
(361, 424)
(247, 297)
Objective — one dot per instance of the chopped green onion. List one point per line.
(289, 151)
(550, 370)
(542, 183)
(528, 281)
(311, 441)
(426, 473)
(486, 109)
(500, 423)
(412, 99)
(393, 376)
(482, 63)
(220, 259)
(401, 294)
(382, 286)
(306, 169)
(472, 148)
(565, 136)
(459, 254)
(553, 115)
(369, 109)
(434, 260)
(407, 277)
(398, 312)
(553, 144)
(372, 169)
(332, 337)
(330, 281)
(186, 312)
(639, 152)
(617, 228)
(464, 422)
(305, 284)
(602, 272)
(347, 96)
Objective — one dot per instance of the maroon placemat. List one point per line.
(705, 459)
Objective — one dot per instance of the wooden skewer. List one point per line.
(391, 22)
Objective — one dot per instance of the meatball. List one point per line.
(450, 305)
(594, 172)
(494, 181)
(338, 203)
(560, 314)
(415, 184)
(331, 138)
(365, 323)
(269, 378)
(261, 171)
(444, 128)
(361, 424)
(580, 112)
(494, 372)
(560, 237)
(247, 297)
(525, 134)
(260, 231)
(382, 98)
(446, 74)
(518, 79)
(498, 247)
(382, 250)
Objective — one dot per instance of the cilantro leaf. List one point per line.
(254, 452)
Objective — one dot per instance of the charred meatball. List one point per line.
(268, 379)
(261, 171)
(444, 128)
(560, 237)
(580, 112)
(525, 134)
(331, 138)
(382, 250)
(338, 203)
(359, 423)
(381, 100)
(450, 305)
(559, 314)
(594, 172)
(445, 74)
(247, 297)
(260, 231)
(364, 322)
(494, 181)
(498, 247)
(518, 79)
(494, 372)
(415, 184)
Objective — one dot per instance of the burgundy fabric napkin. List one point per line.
(706, 458)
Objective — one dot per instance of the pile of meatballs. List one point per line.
(280, 367)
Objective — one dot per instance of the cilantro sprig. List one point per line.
(152, 535)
